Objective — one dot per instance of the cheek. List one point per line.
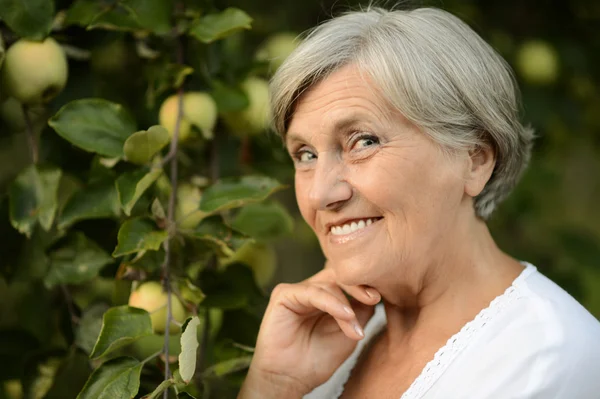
(301, 187)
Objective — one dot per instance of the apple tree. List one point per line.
(136, 208)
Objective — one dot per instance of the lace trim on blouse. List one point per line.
(447, 353)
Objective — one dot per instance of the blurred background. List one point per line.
(552, 219)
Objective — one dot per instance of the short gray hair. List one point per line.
(434, 69)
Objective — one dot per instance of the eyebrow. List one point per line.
(340, 125)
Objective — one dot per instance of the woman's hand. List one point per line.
(308, 330)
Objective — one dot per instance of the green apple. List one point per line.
(538, 62)
(277, 48)
(151, 297)
(11, 113)
(255, 118)
(199, 110)
(187, 213)
(147, 346)
(34, 72)
(260, 257)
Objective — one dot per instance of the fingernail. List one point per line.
(348, 310)
(358, 330)
(372, 293)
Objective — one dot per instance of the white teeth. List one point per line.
(350, 227)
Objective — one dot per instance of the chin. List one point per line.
(356, 270)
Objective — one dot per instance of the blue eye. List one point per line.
(366, 141)
(304, 156)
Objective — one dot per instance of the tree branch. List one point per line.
(33, 145)
(166, 272)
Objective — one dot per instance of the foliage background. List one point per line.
(551, 220)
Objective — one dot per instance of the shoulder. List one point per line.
(541, 344)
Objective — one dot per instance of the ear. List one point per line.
(479, 170)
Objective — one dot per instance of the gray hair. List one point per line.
(434, 69)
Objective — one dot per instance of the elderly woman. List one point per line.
(405, 135)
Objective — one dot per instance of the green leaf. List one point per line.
(138, 234)
(96, 201)
(189, 346)
(235, 192)
(116, 379)
(132, 185)
(121, 326)
(190, 292)
(89, 327)
(28, 18)
(229, 99)
(166, 384)
(141, 146)
(153, 15)
(77, 261)
(82, 12)
(216, 233)
(117, 17)
(163, 77)
(229, 366)
(232, 288)
(264, 221)
(218, 26)
(94, 125)
(34, 197)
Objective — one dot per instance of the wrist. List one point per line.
(268, 385)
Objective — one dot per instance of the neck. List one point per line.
(459, 281)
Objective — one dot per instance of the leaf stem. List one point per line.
(33, 144)
(146, 360)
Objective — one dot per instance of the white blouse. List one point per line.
(534, 341)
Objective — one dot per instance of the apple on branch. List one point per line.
(34, 72)
(199, 110)
(151, 297)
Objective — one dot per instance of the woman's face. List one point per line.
(379, 194)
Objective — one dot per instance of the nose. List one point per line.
(330, 190)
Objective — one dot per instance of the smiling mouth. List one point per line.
(353, 226)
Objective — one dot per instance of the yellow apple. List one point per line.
(255, 118)
(199, 110)
(34, 72)
(151, 297)
(260, 257)
(538, 62)
(187, 213)
(277, 48)
(167, 117)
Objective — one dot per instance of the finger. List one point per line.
(309, 300)
(363, 293)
